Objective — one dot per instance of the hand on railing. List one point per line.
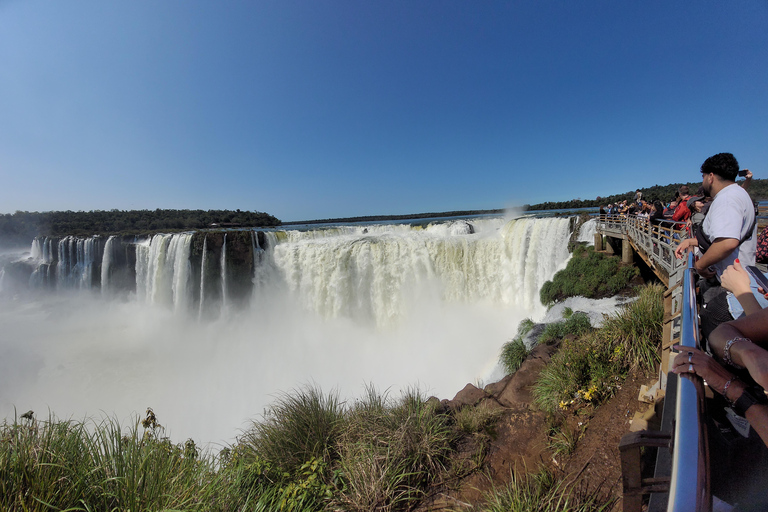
(682, 249)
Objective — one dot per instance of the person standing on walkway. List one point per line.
(727, 233)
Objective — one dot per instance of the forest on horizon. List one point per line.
(21, 227)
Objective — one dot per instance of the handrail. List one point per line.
(689, 488)
(689, 485)
(657, 239)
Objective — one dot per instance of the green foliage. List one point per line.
(388, 454)
(575, 324)
(588, 274)
(299, 427)
(544, 491)
(514, 352)
(24, 226)
(664, 193)
(588, 370)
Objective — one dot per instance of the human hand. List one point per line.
(748, 174)
(735, 279)
(694, 361)
(680, 251)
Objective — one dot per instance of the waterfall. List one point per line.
(378, 276)
(202, 276)
(389, 304)
(163, 269)
(369, 273)
(106, 262)
(223, 265)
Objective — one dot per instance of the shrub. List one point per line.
(587, 370)
(588, 274)
(298, 428)
(576, 324)
(514, 352)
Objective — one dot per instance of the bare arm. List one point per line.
(736, 280)
(693, 361)
(718, 251)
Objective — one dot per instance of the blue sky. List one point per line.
(319, 109)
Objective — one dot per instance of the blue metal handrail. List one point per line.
(689, 485)
(689, 477)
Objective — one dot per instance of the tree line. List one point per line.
(22, 227)
(758, 189)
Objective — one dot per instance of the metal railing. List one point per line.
(657, 240)
(689, 484)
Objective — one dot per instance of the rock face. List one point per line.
(520, 433)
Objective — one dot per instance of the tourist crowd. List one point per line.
(721, 224)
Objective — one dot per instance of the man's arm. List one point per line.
(717, 252)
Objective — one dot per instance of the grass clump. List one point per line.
(388, 454)
(589, 369)
(514, 352)
(575, 324)
(588, 274)
(544, 491)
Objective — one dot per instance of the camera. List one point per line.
(743, 172)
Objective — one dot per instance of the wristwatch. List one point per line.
(749, 397)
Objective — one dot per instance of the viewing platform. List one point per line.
(677, 421)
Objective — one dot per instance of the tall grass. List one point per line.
(390, 453)
(61, 465)
(544, 491)
(514, 352)
(589, 369)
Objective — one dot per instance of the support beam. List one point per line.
(626, 252)
(598, 241)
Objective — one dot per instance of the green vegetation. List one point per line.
(575, 324)
(544, 491)
(587, 370)
(514, 352)
(664, 193)
(310, 453)
(588, 274)
(24, 226)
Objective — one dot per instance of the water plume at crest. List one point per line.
(390, 305)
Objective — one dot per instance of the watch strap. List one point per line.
(749, 397)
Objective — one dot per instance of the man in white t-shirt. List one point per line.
(728, 232)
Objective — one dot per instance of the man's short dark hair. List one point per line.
(722, 164)
(684, 190)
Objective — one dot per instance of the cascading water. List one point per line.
(202, 277)
(385, 304)
(163, 270)
(223, 265)
(106, 262)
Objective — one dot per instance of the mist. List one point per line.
(80, 357)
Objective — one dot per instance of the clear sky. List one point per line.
(318, 108)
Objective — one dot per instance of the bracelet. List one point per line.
(725, 389)
(727, 352)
